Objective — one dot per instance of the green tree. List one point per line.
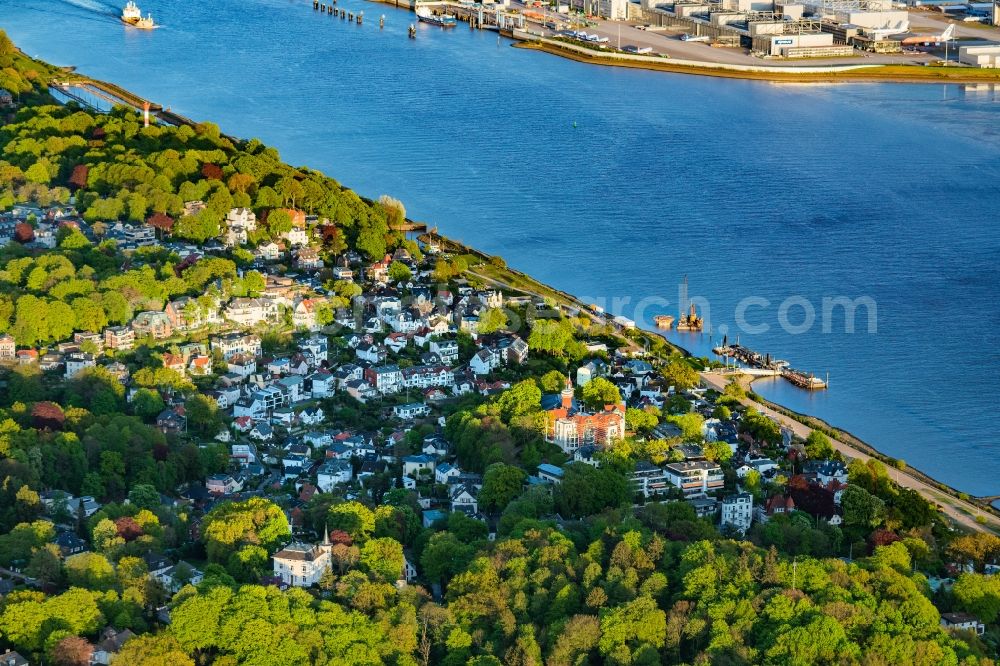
(979, 595)
(444, 556)
(861, 508)
(383, 557)
(641, 420)
(599, 392)
(492, 320)
(626, 629)
(148, 650)
(231, 525)
(352, 517)
(501, 484)
(92, 571)
(717, 451)
(144, 496)
(680, 375)
(818, 446)
(586, 490)
(692, 425)
(399, 272)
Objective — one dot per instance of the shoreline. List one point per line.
(854, 443)
(846, 74)
(839, 435)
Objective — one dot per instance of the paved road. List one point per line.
(961, 512)
(19, 576)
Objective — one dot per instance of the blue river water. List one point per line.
(615, 184)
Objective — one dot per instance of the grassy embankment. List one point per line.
(874, 73)
(856, 443)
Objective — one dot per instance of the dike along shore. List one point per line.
(791, 74)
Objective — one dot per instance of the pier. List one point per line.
(762, 365)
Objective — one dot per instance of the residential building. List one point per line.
(10, 657)
(463, 498)
(446, 349)
(333, 472)
(737, 511)
(236, 343)
(426, 376)
(315, 348)
(484, 361)
(69, 544)
(301, 564)
(591, 370)
(649, 480)
(109, 645)
(155, 324)
(77, 362)
(415, 466)
(7, 348)
(446, 471)
(139, 235)
(305, 314)
(550, 473)
(963, 621)
(777, 505)
(695, 476)
(222, 484)
(570, 427)
(385, 378)
(251, 311)
(239, 223)
(411, 410)
(119, 337)
(244, 453)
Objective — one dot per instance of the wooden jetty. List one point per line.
(753, 359)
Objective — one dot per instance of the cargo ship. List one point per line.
(443, 20)
(131, 15)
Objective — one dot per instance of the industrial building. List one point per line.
(981, 55)
(784, 29)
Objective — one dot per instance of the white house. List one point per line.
(696, 476)
(77, 362)
(411, 410)
(301, 564)
(484, 361)
(463, 498)
(737, 511)
(446, 349)
(333, 472)
(444, 472)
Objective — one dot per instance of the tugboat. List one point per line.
(443, 20)
(131, 15)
